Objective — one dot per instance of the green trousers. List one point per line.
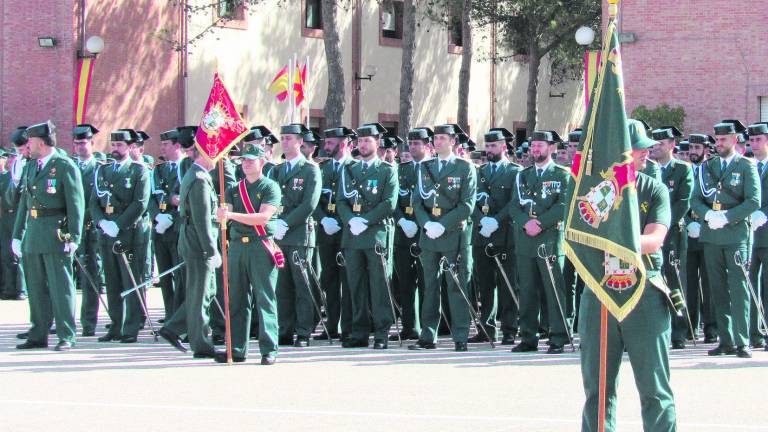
(730, 294)
(645, 334)
(368, 291)
(172, 285)
(433, 279)
(252, 279)
(296, 314)
(333, 282)
(699, 293)
(126, 313)
(193, 317)
(89, 255)
(495, 299)
(13, 281)
(535, 283)
(758, 274)
(408, 288)
(51, 291)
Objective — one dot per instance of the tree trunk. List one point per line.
(462, 117)
(534, 61)
(406, 74)
(335, 99)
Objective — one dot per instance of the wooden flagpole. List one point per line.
(225, 264)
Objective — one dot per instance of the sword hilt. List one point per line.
(379, 249)
(415, 250)
(118, 248)
(297, 259)
(340, 261)
(491, 251)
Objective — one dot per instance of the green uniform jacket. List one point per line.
(545, 198)
(678, 178)
(377, 197)
(230, 179)
(58, 188)
(328, 198)
(738, 194)
(494, 199)
(127, 192)
(263, 191)
(300, 190)
(451, 190)
(761, 234)
(166, 183)
(652, 169)
(407, 177)
(87, 171)
(694, 244)
(198, 232)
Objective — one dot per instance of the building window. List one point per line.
(391, 121)
(391, 24)
(231, 14)
(455, 41)
(311, 18)
(316, 120)
(763, 108)
(521, 132)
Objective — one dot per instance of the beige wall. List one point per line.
(249, 59)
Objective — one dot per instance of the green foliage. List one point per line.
(662, 115)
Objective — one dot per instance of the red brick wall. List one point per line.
(711, 57)
(136, 80)
(36, 83)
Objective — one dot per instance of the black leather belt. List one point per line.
(36, 213)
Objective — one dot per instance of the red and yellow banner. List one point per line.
(221, 126)
(82, 86)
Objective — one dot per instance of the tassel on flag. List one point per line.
(279, 84)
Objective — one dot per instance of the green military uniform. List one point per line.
(166, 184)
(652, 169)
(51, 206)
(698, 290)
(89, 253)
(540, 194)
(759, 265)
(734, 190)
(14, 284)
(446, 195)
(300, 185)
(332, 277)
(368, 190)
(410, 278)
(120, 196)
(252, 271)
(644, 334)
(198, 245)
(677, 176)
(494, 198)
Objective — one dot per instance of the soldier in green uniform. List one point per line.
(446, 188)
(88, 252)
(338, 142)
(46, 235)
(366, 198)
(118, 206)
(14, 285)
(699, 297)
(728, 192)
(645, 333)
(537, 211)
(199, 248)
(493, 230)
(252, 271)
(651, 167)
(300, 185)
(758, 140)
(677, 176)
(164, 211)
(409, 285)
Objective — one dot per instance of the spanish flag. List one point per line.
(82, 86)
(299, 79)
(279, 85)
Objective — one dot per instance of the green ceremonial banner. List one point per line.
(602, 226)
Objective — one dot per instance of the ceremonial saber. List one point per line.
(675, 262)
(542, 252)
(118, 249)
(152, 279)
(382, 253)
(91, 282)
(489, 251)
(451, 269)
(302, 264)
(760, 311)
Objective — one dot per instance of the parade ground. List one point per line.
(149, 386)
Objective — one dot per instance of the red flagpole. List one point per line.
(225, 265)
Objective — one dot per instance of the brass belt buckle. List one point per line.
(246, 239)
(356, 208)
(436, 211)
(33, 213)
(409, 211)
(109, 210)
(332, 208)
(716, 206)
(485, 209)
(163, 206)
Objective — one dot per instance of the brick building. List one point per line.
(710, 57)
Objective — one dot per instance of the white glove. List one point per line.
(216, 260)
(330, 225)
(434, 229)
(409, 227)
(758, 219)
(70, 247)
(357, 225)
(717, 220)
(16, 247)
(164, 221)
(281, 227)
(488, 226)
(109, 228)
(694, 229)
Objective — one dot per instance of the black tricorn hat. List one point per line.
(186, 136)
(575, 135)
(449, 129)
(19, 137)
(121, 135)
(340, 132)
(666, 132)
(41, 130)
(422, 133)
(729, 127)
(498, 134)
(760, 128)
(84, 131)
(391, 141)
(170, 135)
(549, 136)
(294, 129)
(371, 129)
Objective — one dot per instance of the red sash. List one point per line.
(269, 244)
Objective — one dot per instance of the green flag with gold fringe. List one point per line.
(602, 226)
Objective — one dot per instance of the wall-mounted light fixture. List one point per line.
(46, 41)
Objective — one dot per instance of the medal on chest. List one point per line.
(51, 189)
(298, 184)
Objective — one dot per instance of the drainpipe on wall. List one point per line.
(357, 24)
